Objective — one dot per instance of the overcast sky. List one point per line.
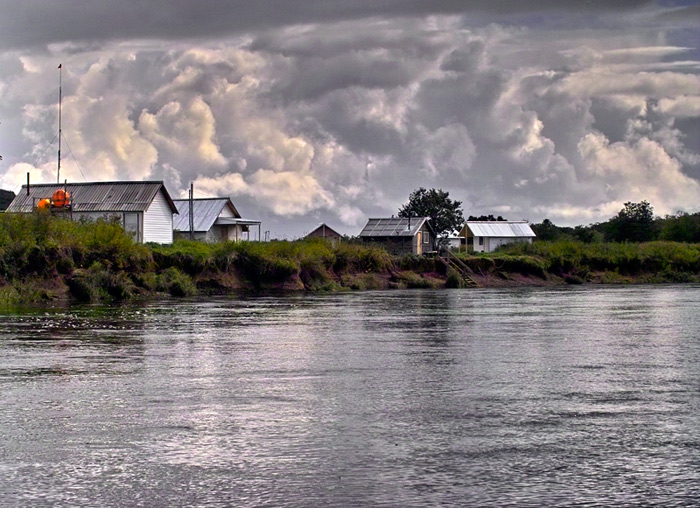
(333, 111)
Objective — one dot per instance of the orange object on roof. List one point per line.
(60, 198)
(44, 203)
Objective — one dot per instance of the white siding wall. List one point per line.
(158, 221)
(226, 212)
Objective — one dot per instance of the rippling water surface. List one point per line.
(565, 397)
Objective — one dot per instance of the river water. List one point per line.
(578, 396)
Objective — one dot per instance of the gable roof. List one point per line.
(325, 230)
(499, 229)
(394, 226)
(205, 213)
(95, 196)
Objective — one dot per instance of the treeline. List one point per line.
(634, 223)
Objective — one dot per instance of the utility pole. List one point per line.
(191, 211)
(60, 135)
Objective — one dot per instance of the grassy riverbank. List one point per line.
(47, 259)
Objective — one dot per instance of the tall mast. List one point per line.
(60, 99)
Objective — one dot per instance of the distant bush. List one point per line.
(359, 257)
(363, 281)
(565, 257)
(175, 282)
(454, 279)
(412, 280)
(525, 265)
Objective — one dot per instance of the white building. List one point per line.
(211, 220)
(487, 236)
(144, 209)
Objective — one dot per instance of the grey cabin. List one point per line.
(400, 235)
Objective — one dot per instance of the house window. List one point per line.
(426, 238)
(481, 240)
(132, 225)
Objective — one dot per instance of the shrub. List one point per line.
(85, 285)
(412, 280)
(363, 281)
(176, 283)
(454, 279)
(358, 257)
(525, 265)
(479, 264)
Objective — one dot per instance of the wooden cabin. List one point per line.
(401, 235)
(327, 233)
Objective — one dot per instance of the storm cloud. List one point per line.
(335, 111)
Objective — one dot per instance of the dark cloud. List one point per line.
(37, 22)
(339, 120)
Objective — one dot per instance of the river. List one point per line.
(576, 396)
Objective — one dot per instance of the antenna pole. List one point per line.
(60, 99)
(191, 211)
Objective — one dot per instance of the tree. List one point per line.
(489, 217)
(682, 227)
(445, 215)
(634, 223)
(546, 230)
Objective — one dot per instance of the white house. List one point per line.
(487, 236)
(211, 220)
(144, 209)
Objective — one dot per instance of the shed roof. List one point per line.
(325, 230)
(95, 196)
(499, 229)
(394, 226)
(206, 211)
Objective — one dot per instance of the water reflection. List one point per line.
(82, 341)
(531, 397)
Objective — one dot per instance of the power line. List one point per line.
(74, 159)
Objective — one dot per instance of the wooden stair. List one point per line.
(458, 266)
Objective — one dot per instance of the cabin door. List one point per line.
(419, 243)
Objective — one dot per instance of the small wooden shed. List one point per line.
(400, 235)
(326, 232)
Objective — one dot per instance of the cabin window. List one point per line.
(426, 238)
(481, 240)
(132, 225)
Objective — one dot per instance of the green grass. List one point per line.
(98, 261)
(574, 258)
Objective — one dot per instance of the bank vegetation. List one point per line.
(47, 259)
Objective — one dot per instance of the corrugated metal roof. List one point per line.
(206, 212)
(230, 221)
(95, 196)
(500, 229)
(395, 226)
